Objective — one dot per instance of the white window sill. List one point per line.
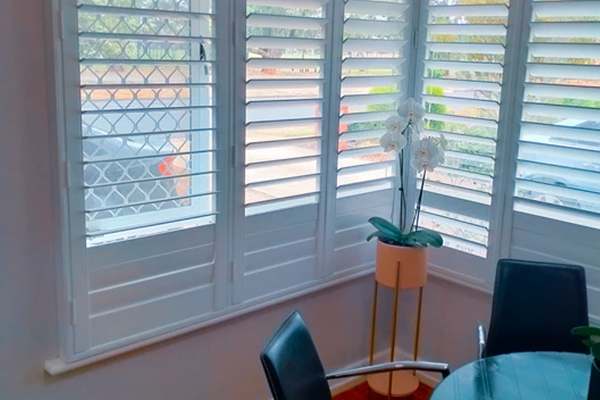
(58, 366)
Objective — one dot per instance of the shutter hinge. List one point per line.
(72, 313)
(233, 34)
(233, 156)
(68, 175)
(233, 278)
(415, 38)
(61, 28)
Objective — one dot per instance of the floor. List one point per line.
(361, 392)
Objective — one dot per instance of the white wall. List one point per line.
(215, 363)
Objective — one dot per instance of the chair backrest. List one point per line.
(292, 365)
(535, 306)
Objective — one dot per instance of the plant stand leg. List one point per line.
(393, 331)
(418, 328)
(373, 323)
(397, 383)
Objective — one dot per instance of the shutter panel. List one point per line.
(557, 193)
(147, 158)
(558, 167)
(286, 58)
(374, 79)
(462, 86)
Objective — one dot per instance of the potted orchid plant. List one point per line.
(403, 248)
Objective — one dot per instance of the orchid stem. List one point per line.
(403, 208)
(401, 189)
(415, 222)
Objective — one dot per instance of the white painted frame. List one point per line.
(474, 271)
(521, 233)
(74, 349)
(71, 282)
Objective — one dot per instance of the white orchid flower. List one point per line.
(411, 110)
(426, 154)
(393, 142)
(395, 124)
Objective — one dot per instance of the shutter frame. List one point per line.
(117, 282)
(493, 36)
(548, 128)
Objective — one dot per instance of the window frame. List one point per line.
(229, 282)
(534, 237)
(455, 265)
(71, 279)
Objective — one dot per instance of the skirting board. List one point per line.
(338, 386)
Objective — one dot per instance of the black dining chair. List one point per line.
(294, 370)
(534, 307)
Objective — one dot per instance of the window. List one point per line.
(374, 78)
(462, 65)
(558, 167)
(222, 155)
(286, 57)
(190, 196)
(143, 149)
(554, 215)
(147, 104)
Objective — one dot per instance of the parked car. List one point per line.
(582, 182)
(135, 160)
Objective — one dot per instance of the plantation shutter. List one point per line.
(287, 54)
(557, 187)
(462, 53)
(374, 80)
(559, 150)
(146, 150)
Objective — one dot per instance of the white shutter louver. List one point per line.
(558, 166)
(374, 80)
(147, 103)
(462, 84)
(286, 58)
(148, 156)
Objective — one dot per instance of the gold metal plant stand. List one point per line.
(399, 383)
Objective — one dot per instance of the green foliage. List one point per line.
(382, 106)
(366, 126)
(565, 101)
(436, 108)
(592, 338)
(383, 89)
(390, 234)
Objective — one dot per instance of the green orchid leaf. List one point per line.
(428, 237)
(380, 235)
(589, 343)
(386, 227)
(414, 243)
(586, 331)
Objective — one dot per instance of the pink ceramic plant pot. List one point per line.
(410, 261)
